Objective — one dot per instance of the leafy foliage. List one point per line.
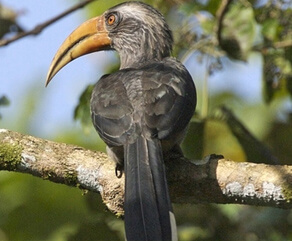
(4, 101)
(239, 30)
(82, 110)
(276, 48)
(8, 21)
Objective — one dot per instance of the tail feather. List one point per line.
(148, 211)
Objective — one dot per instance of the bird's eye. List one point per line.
(111, 19)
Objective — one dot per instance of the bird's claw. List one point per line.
(119, 171)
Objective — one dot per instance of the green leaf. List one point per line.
(193, 144)
(82, 110)
(289, 84)
(212, 6)
(277, 75)
(271, 78)
(4, 101)
(98, 7)
(239, 31)
(270, 29)
(8, 21)
(288, 54)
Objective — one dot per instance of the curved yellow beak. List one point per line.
(89, 37)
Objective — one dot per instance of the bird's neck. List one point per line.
(136, 59)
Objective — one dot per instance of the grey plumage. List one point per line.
(142, 112)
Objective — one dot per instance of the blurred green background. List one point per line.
(243, 76)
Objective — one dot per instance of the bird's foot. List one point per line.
(119, 171)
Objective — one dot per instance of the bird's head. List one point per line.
(135, 30)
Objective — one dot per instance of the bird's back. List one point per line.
(155, 100)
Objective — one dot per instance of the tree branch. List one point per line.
(283, 44)
(211, 180)
(40, 27)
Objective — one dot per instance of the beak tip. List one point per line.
(48, 79)
(89, 37)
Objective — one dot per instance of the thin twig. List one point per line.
(223, 9)
(254, 149)
(283, 44)
(40, 27)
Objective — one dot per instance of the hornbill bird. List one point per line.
(141, 111)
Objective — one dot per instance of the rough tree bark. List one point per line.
(213, 180)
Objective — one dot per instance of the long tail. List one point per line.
(148, 211)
